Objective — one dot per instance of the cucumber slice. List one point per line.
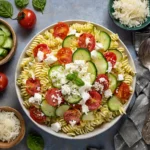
(88, 117)
(118, 54)
(59, 69)
(81, 54)
(100, 63)
(61, 110)
(105, 40)
(69, 41)
(8, 43)
(114, 103)
(47, 109)
(3, 52)
(5, 29)
(112, 82)
(92, 70)
(2, 37)
(73, 99)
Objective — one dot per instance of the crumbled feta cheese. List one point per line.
(85, 96)
(94, 54)
(56, 126)
(50, 59)
(40, 56)
(98, 46)
(32, 74)
(66, 89)
(98, 87)
(38, 88)
(109, 67)
(85, 109)
(108, 93)
(87, 41)
(37, 99)
(79, 62)
(87, 86)
(120, 77)
(72, 122)
(102, 80)
(78, 34)
(56, 98)
(72, 31)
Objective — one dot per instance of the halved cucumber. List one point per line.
(81, 54)
(112, 82)
(100, 63)
(114, 103)
(2, 37)
(59, 69)
(5, 29)
(8, 43)
(118, 54)
(73, 99)
(105, 40)
(69, 41)
(47, 109)
(92, 70)
(61, 110)
(88, 117)
(3, 52)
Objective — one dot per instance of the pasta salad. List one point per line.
(75, 78)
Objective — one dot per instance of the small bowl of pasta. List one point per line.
(77, 83)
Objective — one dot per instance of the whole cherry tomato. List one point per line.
(26, 18)
(3, 81)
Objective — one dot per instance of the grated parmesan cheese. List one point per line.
(131, 12)
(9, 126)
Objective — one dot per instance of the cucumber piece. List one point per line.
(92, 70)
(3, 52)
(105, 40)
(112, 82)
(81, 54)
(73, 99)
(69, 41)
(59, 69)
(118, 54)
(8, 43)
(2, 37)
(61, 110)
(88, 117)
(100, 63)
(5, 29)
(47, 109)
(114, 103)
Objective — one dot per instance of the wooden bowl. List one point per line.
(22, 130)
(13, 49)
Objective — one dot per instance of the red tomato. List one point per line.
(53, 96)
(82, 41)
(123, 92)
(72, 114)
(76, 106)
(27, 18)
(33, 86)
(94, 102)
(100, 79)
(64, 55)
(43, 48)
(61, 30)
(3, 81)
(111, 57)
(37, 115)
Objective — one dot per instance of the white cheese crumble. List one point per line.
(94, 54)
(72, 31)
(37, 99)
(66, 89)
(85, 96)
(108, 93)
(72, 122)
(87, 41)
(98, 87)
(50, 59)
(109, 67)
(98, 46)
(32, 74)
(102, 80)
(40, 56)
(85, 109)
(56, 126)
(56, 98)
(78, 34)
(120, 77)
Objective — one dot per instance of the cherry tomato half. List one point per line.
(64, 55)
(3, 81)
(72, 114)
(54, 97)
(27, 18)
(95, 100)
(83, 43)
(33, 86)
(37, 115)
(123, 92)
(61, 30)
(111, 57)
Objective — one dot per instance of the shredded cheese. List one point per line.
(131, 12)
(9, 126)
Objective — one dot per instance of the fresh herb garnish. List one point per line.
(39, 4)
(6, 9)
(21, 3)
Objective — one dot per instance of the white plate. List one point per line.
(103, 127)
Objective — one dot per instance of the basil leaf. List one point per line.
(39, 4)
(79, 82)
(21, 3)
(6, 9)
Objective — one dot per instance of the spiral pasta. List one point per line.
(114, 45)
(114, 37)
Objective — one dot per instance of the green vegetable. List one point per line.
(6, 9)
(39, 4)
(21, 3)
(79, 82)
(35, 142)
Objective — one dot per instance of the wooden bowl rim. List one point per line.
(13, 49)
(22, 131)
